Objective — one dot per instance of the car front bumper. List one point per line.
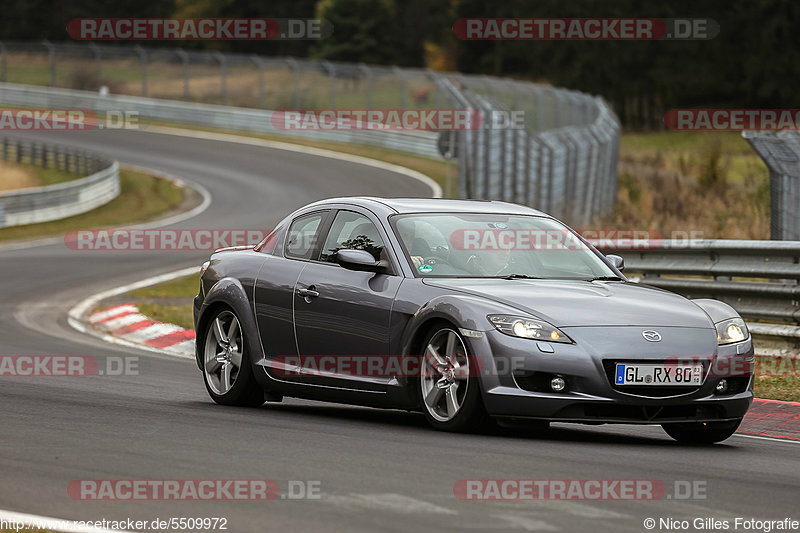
(516, 373)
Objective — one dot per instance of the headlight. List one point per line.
(731, 330)
(528, 328)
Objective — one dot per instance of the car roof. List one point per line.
(433, 205)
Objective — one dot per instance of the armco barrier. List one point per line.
(760, 279)
(41, 204)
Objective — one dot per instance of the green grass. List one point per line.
(180, 315)
(177, 288)
(777, 378)
(142, 197)
(159, 301)
(785, 388)
(46, 176)
(732, 142)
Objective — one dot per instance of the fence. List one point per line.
(760, 279)
(42, 204)
(781, 152)
(562, 159)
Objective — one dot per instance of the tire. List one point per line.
(701, 432)
(450, 396)
(227, 373)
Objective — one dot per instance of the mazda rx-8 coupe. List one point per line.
(471, 312)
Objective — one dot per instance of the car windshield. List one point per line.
(491, 245)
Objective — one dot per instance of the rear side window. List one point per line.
(302, 237)
(267, 246)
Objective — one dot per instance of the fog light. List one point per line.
(558, 384)
(722, 386)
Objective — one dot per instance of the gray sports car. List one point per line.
(471, 312)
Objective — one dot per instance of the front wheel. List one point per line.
(226, 367)
(450, 395)
(702, 432)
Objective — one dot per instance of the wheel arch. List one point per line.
(227, 293)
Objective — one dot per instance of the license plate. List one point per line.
(646, 374)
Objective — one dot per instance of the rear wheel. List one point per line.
(226, 367)
(701, 432)
(450, 395)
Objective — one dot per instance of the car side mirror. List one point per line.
(617, 261)
(359, 260)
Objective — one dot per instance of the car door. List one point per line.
(343, 313)
(274, 288)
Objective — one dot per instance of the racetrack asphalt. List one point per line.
(378, 470)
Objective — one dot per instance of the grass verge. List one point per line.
(142, 197)
(23, 175)
(711, 184)
(169, 302)
(778, 378)
(784, 388)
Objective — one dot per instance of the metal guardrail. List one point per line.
(190, 113)
(563, 160)
(781, 153)
(52, 202)
(760, 279)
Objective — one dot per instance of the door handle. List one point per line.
(307, 293)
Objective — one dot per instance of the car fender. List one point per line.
(230, 292)
(462, 310)
(716, 310)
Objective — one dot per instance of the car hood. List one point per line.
(567, 303)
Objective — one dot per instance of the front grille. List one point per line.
(610, 367)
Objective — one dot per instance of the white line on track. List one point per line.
(436, 189)
(774, 439)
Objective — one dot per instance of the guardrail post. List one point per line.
(185, 60)
(143, 57)
(403, 87)
(331, 70)
(368, 74)
(98, 58)
(260, 64)
(3, 62)
(223, 66)
(51, 52)
(296, 75)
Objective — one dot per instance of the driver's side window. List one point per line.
(351, 230)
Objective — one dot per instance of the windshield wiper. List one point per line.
(518, 276)
(606, 278)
